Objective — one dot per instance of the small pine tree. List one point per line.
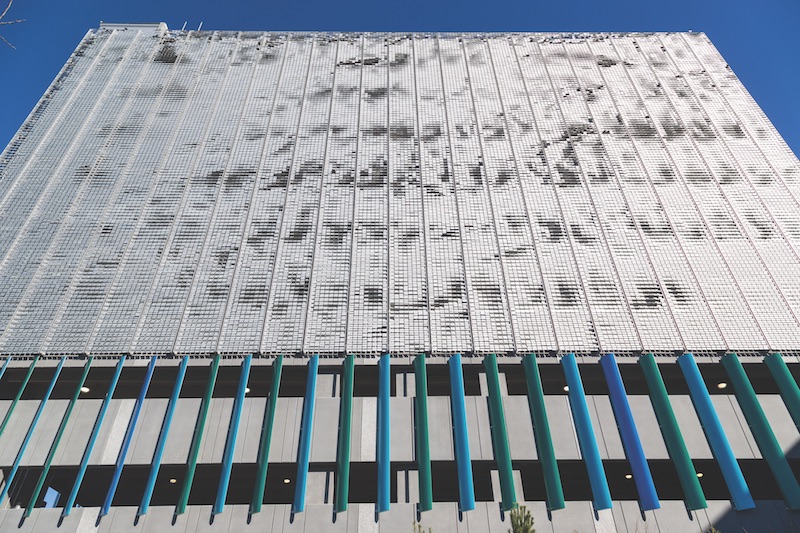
(417, 528)
(521, 520)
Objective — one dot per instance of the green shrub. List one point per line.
(521, 520)
(416, 528)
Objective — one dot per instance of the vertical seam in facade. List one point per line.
(278, 248)
(451, 162)
(668, 152)
(516, 159)
(487, 191)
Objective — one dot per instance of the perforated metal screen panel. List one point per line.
(364, 193)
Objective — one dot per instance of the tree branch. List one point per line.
(8, 22)
(8, 43)
(6, 9)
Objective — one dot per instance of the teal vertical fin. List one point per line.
(497, 418)
(306, 429)
(266, 436)
(762, 432)
(230, 441)
(21, 389)
(676, 447)
(10, 477)
(787, 386)
(586, 437)
(541, 434)
(158, 454)
(383, 443)
(57, 440)
(422, 439)
(197, 438)
(87, 452)
(717, 440)
(345, 436)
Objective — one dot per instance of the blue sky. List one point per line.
(759, 39)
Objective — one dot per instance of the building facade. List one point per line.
(349, 282)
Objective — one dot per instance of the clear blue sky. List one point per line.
(759, 38)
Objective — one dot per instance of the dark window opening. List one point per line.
(439, 379)
(594, 382)
(293, 380)
(575, 479)
(364, 483)
(280, 483)
(444, 481)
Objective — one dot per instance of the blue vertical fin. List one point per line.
(586, 438)
(230, 442)
(158, 454)
(304, 445)
(87, 452)
(648, 498)
(21, 452)
(740, 493)
(466, 486)
(126, 442)
(383, 452)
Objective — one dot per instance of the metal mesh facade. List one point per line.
(202, 192)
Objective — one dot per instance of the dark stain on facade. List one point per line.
(402, 132)
(554, 227)
(374, 131)
(583, 237)
(575, 131)
(377, 93)
(212, 178)
(566, 294)
(308, 169)
(281, 179)
(238, 177)
(166, 54)
(476, 174)
(655, 230)
(303, 225)
(431, 133)
(454, 293)
(642, 129)
(569, 176)
(504, 175)
(375, 176)
(254, 293)
(702, 131)
(678, 293)
(763, 227)
(734, 130)
(337, 233)
(373, 295)
(650, 296)
(400, 59)
(672, 128)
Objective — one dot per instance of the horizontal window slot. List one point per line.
(280, 482)
(365, 382)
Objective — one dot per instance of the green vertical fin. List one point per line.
(790, 392)
(345, 436)
(759, 425)
(266, 436)
(692, 491)
(57, 440)
(502, 452)
(541, 433)
(194, 451)
(421, 435)
(18, 396)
